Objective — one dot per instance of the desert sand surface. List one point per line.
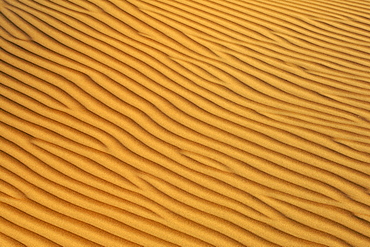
(185, 123)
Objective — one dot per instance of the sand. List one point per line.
(185, 123)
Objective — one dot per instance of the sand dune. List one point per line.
(185, 123)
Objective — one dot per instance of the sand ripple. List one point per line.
(184, 123)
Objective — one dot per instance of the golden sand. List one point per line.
(185, 123)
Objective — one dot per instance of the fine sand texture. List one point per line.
(185, 123)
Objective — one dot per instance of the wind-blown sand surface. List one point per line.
(185, 123)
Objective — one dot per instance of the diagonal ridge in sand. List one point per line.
(184, 123)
